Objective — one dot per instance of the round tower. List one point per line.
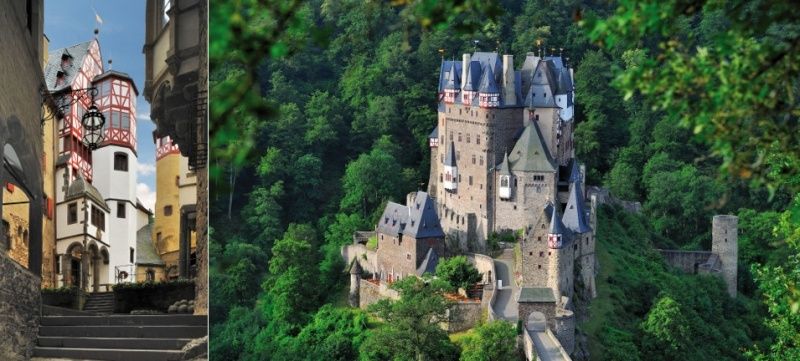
(355, 284)
(724, 243)
(565, 328)
(115, 164)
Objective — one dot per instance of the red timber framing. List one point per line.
(165, 147)
(71, 132)
(117, 101)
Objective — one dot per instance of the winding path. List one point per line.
(506, 302)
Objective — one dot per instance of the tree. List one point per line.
(411, 330)
(667, 323)
(458, 272)
(370, 180)
(493, 341)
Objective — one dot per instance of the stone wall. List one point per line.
(724, 242)
(686, 261)
(546, 308)
(536, 254)
(20, 303)
(371, 292)
(366, 258)
(464, 315)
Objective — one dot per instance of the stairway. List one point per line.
(100, 303)
(118, 337)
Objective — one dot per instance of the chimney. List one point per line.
(464, 63)
(509, 86)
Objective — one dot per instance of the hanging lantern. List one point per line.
(93, 122)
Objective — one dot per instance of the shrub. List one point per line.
(151, 295)
(458, 272)
(60, 297)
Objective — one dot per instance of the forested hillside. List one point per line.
(323, 115)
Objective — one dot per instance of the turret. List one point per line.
(116, 99)
(452, 84)
(555, 237)
(450, 169)
(355, 284)
(504, 188)
(433, 138)
(488, 94)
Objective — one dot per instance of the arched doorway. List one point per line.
(72, 265)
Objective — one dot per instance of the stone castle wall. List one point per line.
(20, 303)
(464, 315)
(536, 256)
(686, 261)
(371, 292)
(565, 329)
(527, 200)
(546, 308)
(366, 258)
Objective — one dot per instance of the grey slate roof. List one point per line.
(575, 171)
(556, 226)
(450, 155)
(564, 81)
(530, 153)
(80, 188)
(504, 167)
(434, 133)
(146, 253)
(536, 294)
(62, 160)
(472, 83)
(78, 53)
(444, 73)
(488, 83)
(575, 213)
(118, 74)
(416, 220)
(428, 264)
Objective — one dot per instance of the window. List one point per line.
(120, 210)
(150, 275)
(481, 158)
(132, 254)
(58, 264)
(98, 218)
(541, 254)
(470, 180)
(459, 136)
(72, 213)
(468, 138)
(478, 140)
(167, 210)
(121, 161)
(473, 159)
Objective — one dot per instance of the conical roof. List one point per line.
(452, 81)
(472, 82)
(488, 84)
(505, 169)
(450, 156)
(80, 188)
(575, 213)
(530, 153)
(556, 227)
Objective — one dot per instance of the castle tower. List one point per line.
(724, 243)
(433, 143)
(560, 265)
(177, 191)
(504, 184)
(355, 284)
(115, 166)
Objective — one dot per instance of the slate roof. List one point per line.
(78, 53)
(445, 72)
(556, 226)
(504, 167)
(81, 188)
(434, 133)
(416, 220)
(530, 154)
(428, 264)
(472, 83)
(488, 83)
(536, 294)
(575, 171)
(575, 213)
(450, 155)
(146, 253)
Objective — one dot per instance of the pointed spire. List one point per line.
(575, 213)
(556, 227)
(575, 172)
(452, 81)
(488, 84)
(505, 169)
(450, 156)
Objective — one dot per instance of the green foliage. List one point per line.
(493, 341)
(458, 272)
(667, 324)
(411, 330)
(153, 285)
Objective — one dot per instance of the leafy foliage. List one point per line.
(458, 272)
(493, 341)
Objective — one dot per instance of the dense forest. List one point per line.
(323, 115)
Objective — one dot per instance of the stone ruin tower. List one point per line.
(724, 243)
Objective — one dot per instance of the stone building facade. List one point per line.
(176, 86)
(21, 150)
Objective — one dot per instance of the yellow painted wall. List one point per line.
(17, 217)
(141, 273)
(168, 192)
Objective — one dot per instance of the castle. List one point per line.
(503, 161)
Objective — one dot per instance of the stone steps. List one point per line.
(100, 302)
(118, 337)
